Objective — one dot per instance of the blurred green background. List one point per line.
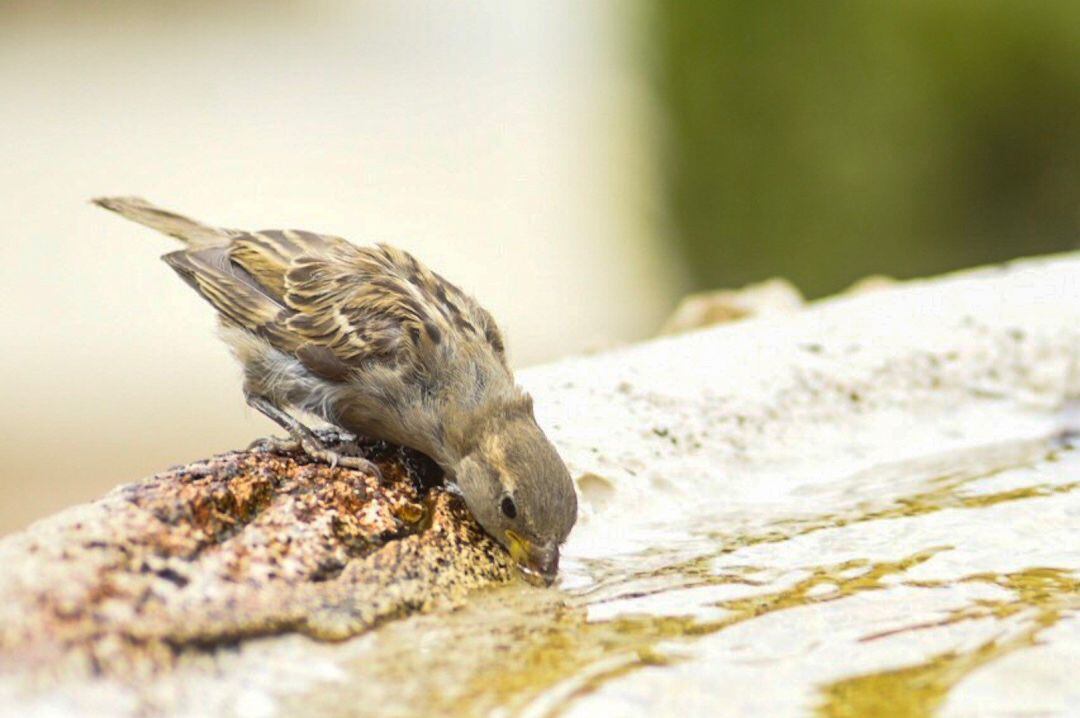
(823, 141)
(577, 166)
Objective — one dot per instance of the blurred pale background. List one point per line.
(576, 165)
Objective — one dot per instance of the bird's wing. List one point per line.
(334, 305)
(380, 302)
(268, 255)
(237, 296)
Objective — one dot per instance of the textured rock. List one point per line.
(242, 545)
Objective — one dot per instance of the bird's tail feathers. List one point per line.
(192, 233)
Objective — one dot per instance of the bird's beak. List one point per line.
(538, 564)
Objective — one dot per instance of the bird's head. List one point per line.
(518, 488)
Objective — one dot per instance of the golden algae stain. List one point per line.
(570, 659)
(915, 691)
(841, 580)
(1041, 596)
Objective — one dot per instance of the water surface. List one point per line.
(878, 593)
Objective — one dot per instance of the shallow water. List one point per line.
(876, 594)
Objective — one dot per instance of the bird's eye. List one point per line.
(509, 508)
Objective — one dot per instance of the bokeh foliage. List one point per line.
(824, 141)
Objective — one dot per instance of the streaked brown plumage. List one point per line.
(374, 342)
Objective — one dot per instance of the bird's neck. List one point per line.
(486, 418)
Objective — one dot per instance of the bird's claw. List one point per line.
(361, 464)
(336, 459)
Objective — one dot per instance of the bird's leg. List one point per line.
(303, 438)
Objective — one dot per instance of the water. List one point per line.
(879, 593)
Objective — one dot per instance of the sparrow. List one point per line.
(373, 342)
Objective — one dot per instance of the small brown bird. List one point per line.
(372, 341)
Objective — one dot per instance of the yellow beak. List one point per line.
(538, 564)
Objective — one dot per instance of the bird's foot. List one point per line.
(304, 438)
(334, 458)
(316, 449)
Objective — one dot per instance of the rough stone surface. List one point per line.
(241, 545)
